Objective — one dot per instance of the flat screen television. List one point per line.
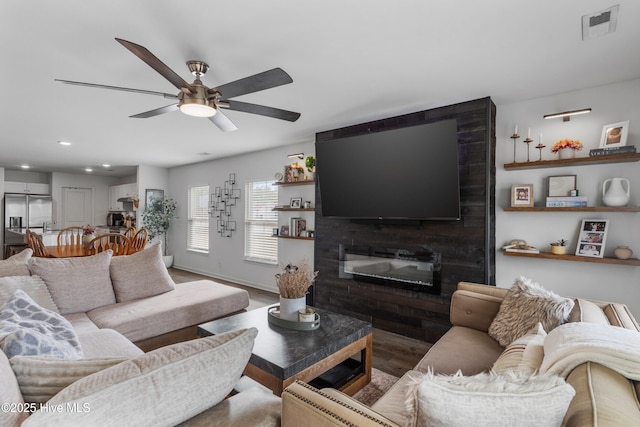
(405, 173)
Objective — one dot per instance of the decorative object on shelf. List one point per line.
(622, 252)
(515, 137)
(307, 204)
(156, 218)
(295, 203)
(293, 286)
(521, 195)
(566, 148)
(136, 201)
(614, 135)
(222, 200)
(593, 236)
(566, 115)
(627, 149)
(310, 163)
(310, 233)
(284, 230)
(296, 171)
(297, 226)
(519, 245)
(540, 146)
(528, 141)
(615, 195)
(561, 186)
(307, 315)
(559, 247)
(88, 234)
(279, 176)
(297, 325)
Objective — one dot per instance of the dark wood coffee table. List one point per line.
(281, 356)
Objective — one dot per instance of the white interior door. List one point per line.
(77, 206)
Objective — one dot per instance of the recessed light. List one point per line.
(88, 170)
(106, 165)
(25, 166)
(65, 143)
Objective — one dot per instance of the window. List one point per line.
(260, 220)
(198, 219)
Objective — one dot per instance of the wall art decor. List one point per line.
(614, 135)
(222, 200)
(521, 195)
(592, 238)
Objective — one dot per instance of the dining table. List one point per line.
(70, 251)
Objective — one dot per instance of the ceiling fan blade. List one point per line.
(265, 80)
(156, 112)
(223, 122)
(124, 89)
(151, 60)
(276, 113)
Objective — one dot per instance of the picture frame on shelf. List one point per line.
(276, 232)
(284, 230)
(592, 238)
(296, 203)
(561, 185)
(522, 195)
(614, 135)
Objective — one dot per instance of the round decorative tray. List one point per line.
(274, 319)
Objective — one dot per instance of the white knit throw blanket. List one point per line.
(572, 344)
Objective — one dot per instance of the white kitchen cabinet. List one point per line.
(26, 187)
(118, 191)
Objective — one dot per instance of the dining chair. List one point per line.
(34, 241)
(139, 241)
(70, 236)
(130, 233)
(118, 243)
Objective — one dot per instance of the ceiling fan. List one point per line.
(196, 99)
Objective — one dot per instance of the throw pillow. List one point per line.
(163, 387)
(28, 329)
(140, 275)
(487, 399)
(16, 265)
(41, 378)
(77, 284)
(524, 355)
(526, 304)
(33, 286)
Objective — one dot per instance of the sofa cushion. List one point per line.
(587, 311)
(76, 284)
(28, 329)
(191, 303)
(41, 378)
(16, 265)
(524, 355)
(452, 352)
(619, 315)
(526, 304)
(603, 398)
(163, 387)
(10, 394)
(107, 343)
(488, 399)
(140, 275)
(33, 286)
(392, 403)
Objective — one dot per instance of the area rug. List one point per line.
(380, 383)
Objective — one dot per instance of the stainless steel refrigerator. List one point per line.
(22, 211)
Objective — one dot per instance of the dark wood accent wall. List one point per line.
(467, 245)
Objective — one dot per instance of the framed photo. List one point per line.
(592, 238)
(296, 202)
(561, 186)
(521, 195)
(614, 135)
(284, 230)
(151, 193)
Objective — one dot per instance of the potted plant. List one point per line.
(88, 234)
(293, 286)
(156, 218)
(567, 148)
(310, 163)
(559, 247)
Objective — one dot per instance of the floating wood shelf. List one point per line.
(576, 209)
(293, 209)
(635, 262)
(294, 182)
(595, 160)
(294, 237)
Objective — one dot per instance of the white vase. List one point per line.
(87, 238)
(168, 260)
(289, 308)
(615, 195)
(567, 153)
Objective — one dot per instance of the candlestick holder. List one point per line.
(540, 147)
(515, 137)
(528, 141)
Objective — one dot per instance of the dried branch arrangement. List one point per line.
(295, 281)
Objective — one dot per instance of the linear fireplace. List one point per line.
(418, 270)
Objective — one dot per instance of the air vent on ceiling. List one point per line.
(600, 23)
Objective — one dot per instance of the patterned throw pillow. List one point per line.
(524, 355)
(28, 329)
(526, 304)
(16, 265)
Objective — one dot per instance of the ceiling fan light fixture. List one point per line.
(197, 108)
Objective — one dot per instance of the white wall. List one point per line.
(610, 104)
(225, 257)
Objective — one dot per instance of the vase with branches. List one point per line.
(293, 286)
(157, 217)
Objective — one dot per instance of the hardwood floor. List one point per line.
(392, 353)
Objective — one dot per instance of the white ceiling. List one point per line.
(351, 61)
